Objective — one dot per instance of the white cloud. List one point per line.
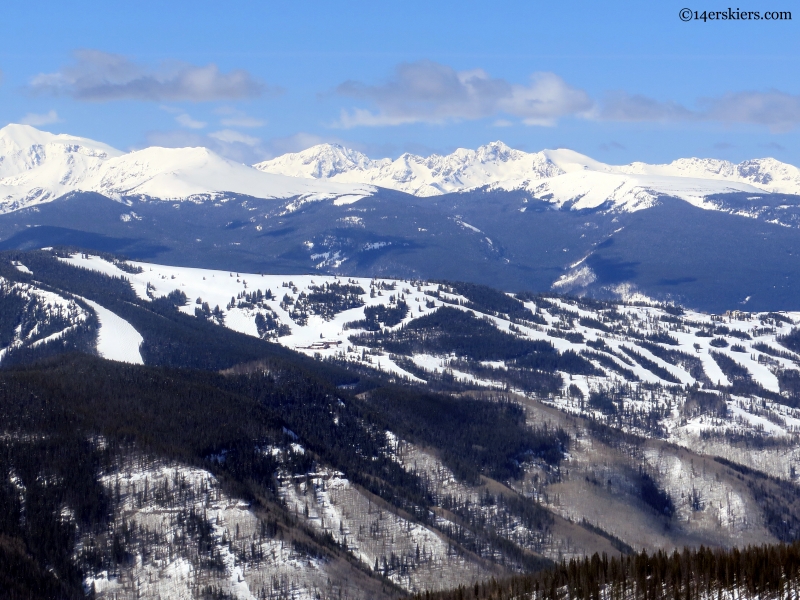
(429, 92)
(100, 76)
(230, 136)
(37, 120)
(621, 106)
(189, 122)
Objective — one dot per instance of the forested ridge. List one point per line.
(691, 574)
(52, 411)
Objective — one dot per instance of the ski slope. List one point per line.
(116, 338)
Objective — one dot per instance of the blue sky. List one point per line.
(619, 81)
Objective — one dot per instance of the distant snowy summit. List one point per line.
(563, 177)
(37, 167)
(431, 176)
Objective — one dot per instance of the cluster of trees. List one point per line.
(528, 378)
(268, 325)
(250, 299)
(650, 365)
(450, 330)
(693, 574)
(488, 300)
(329, 299)
(516, 527)
(735, 372)
(611, 402)
(204, 312)
(475, 436)
(705, 403)
(609, 363)
(379, 316)
(325, 300)
(791, 340)
(575, 337)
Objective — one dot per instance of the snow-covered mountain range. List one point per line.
(36, 167)
(562, 176)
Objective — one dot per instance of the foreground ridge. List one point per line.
(752, 572)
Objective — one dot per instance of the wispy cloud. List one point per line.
(187, 121)
(37, 120)
(429, 92)
(229, 136)
(246, 149)
(778, 111)
(774, 109)
(607, 147)
(98, 76)
(233, 117)
(621, 106)
(774, 146)
(243, 121)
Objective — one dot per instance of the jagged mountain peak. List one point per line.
(322, 161)
(419, 175)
